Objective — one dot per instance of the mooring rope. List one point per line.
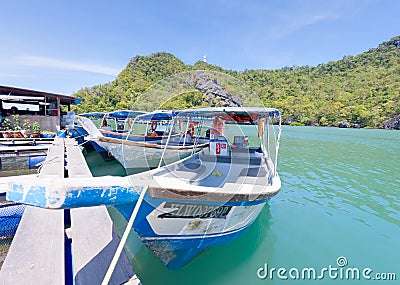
(124, 238)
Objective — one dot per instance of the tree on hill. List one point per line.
(363, 89)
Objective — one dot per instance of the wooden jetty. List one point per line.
(65, 246)
(24, 146)
(22, 153)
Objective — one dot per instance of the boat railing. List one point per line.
(166, 144)
(242, 155)
(278, 140)
(197, 137)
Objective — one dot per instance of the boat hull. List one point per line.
(138, 158)
(177, 231)
(79, 134)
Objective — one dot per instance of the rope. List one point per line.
(124, 238)
(47, 161)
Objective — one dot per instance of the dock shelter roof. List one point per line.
(14, 93)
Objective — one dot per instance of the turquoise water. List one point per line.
(339, 198)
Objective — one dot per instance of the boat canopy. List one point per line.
(230, 111)
(92, 115)
(123, 114)
(158, 116)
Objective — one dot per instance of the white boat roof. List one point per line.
(158, 115)
(214, 111)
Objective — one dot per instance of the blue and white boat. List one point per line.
(114, 124)
(77, 132)
(154, 139)
(209, 198)
(213, 196)
(117, 123)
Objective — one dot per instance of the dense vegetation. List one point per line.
(362, 89)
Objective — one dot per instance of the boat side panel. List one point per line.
(177, 250)
(138, 157)
(181, 218)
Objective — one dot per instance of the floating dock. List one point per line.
(24, 146)
(23, 153)
(65, 246)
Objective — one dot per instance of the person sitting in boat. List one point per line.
(208, 133)
(185, 138)
(152, 134)
(152, 131)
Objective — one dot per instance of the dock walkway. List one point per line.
(65, 246)
(24, 146)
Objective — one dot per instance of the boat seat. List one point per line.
(253, 172)
(254, 150)
(250, 160)
(189, 171)
(193, 166)
(255, 176)
(262, 181)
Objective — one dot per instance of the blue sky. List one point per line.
(62, 46)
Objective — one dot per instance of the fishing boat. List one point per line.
(77, 132)
(117, 123)
(113, 124)
(213, 196)
(179, 210)
(151, 136)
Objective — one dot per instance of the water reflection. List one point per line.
(343, 170)
(213, 266)
(339, 197)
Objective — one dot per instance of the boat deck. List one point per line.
(242, 176)
(64, 246)
(213, 171)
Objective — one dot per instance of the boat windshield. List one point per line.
(118, 121)
(155, 124)
(95, 117)
(255, 129)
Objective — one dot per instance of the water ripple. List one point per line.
(343, 170)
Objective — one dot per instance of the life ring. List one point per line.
(153, 125)
(190, 130)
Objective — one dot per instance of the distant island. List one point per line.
(359, 91)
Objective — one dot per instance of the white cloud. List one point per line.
(286, 19)
(289, 25)
(45, 62)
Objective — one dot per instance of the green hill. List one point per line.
(363, 89)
